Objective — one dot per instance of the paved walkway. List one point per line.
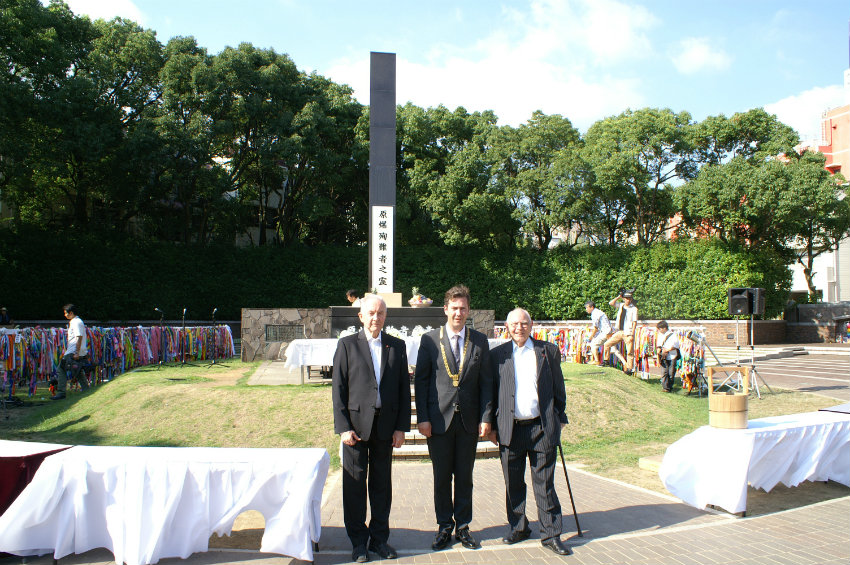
(620, 523)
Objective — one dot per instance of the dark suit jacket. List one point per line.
(551, 394)
(355, 390)
(436, 395)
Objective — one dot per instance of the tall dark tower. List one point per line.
(382, 169)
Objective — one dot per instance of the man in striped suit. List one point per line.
(530, 403)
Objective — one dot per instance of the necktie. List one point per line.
(456, 347)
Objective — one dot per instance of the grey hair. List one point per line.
(366, 300)
(519, 311)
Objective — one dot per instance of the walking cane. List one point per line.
(569, 489)
(566, 476)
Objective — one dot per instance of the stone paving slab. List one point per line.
(620, 523)
(606, 508)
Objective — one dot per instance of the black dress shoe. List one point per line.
(516, 537)
(556, 546)
(359, 554)
(383, 549)
(441, 540)
(466, 539)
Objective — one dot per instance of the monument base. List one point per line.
(393, 299)
(345, 317)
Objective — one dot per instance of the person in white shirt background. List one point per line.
(601, 330)
(75, 354)
(667, 343)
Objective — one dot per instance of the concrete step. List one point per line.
(414, 438)
(485, 450)
(416, 445)
(651, 463)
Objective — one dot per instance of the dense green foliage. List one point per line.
(153, 161)
(125, 279)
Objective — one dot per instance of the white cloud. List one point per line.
(536, 60)
(106, 9)
(803, 111)
(697, 54)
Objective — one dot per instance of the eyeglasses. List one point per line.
(520, 324)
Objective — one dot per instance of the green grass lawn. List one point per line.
(614, 419)
(195, 405)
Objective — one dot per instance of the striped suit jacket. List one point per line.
(551, 393)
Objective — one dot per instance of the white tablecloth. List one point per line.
(713, 465)
(148, 503)
(24, 448)
(320, 352)
(315, 352)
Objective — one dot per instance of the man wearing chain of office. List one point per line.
(454, 399)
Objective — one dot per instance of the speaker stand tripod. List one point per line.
(754, 374)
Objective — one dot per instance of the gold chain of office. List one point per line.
(454, 377)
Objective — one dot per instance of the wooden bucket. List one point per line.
(728, 409)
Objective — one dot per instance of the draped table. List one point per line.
(713, 466)
(320, 352)
(147, 503)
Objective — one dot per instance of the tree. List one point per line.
(466, 207)
(335, 207)
(820, 214)
(535, 164)
(722, 200)
(750, 134)
(444, 187)
(79, 116)
(39, 47)
(289, 143)
(744, 202)
(641, 155)
(184, 186)
(787, 204)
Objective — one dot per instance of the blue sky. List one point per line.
(583, 59)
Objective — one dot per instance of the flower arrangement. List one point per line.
(419, 301)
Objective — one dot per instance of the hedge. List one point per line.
(124, 279)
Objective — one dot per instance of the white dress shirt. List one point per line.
(459, 335)
(526, 403)
(375, 350)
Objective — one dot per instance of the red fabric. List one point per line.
(16, 473)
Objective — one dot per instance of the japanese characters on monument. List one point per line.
(382, 237)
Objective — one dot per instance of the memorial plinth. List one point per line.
(344, 317)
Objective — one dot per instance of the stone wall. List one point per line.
(315, 324)
(816, 323)
(810, 332)
(483, 321)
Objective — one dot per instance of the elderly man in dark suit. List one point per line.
(454, 399)
(371, 404)
(530, 404)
